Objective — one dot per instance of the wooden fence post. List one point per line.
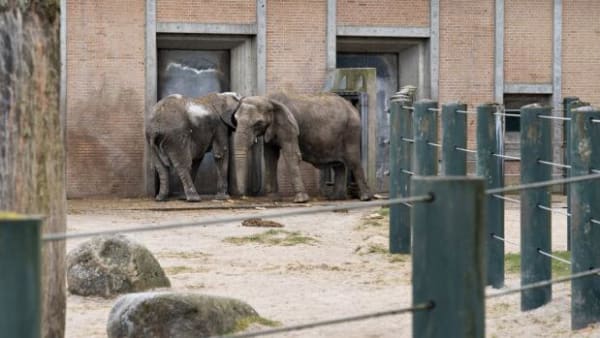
(536, 145)
(490, 138)
(401, 143)
(448, 256)
(20, 294)
(454, 134)
(585, 225)
(425, 128)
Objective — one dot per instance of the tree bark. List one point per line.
(32, 151)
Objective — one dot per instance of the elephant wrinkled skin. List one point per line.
(180, 130)
(321, 129)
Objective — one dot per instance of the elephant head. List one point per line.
(228, 104)
(261, 116)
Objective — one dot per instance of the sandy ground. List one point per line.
(343, 273)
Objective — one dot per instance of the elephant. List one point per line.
(180, 130)
(322, 129)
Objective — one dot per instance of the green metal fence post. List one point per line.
(536, 145)
(454, 134)
(568, 104)
(490, 140)
(448, 257)
(425, 132)
(20, 309)
(401, 135)
(584, 148)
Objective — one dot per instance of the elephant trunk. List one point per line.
(242, 140)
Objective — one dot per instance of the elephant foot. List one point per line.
(301, 197)
(193, 198)
(366, 196)
(161, 197)
(222, 196)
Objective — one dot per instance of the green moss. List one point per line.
(273, 237)
(512, 263)
(385, 212)
(245, 322)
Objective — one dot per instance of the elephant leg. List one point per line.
(359, 176)
(221, 153)
(183, 166)
(292, 157)
(339, 181)
(163, 176)
(271, 153)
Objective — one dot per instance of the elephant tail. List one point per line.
(156, 141)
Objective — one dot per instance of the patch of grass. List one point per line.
(183, 254)
(512, 263)
(376, 249)
(273, 237)
(244, 323)
(397, 258)
(385, 212)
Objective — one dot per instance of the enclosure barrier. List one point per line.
(584, 153)
(20, 293)
(536, 224)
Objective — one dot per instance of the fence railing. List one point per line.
(456, 221)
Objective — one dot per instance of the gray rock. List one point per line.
(175, 315)
(109, 265)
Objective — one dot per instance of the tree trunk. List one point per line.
(32, 152)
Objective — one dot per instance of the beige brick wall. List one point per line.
(206, 11)
(467, 54)
(105, 102)
(383, 13)
(581, 50)
(528, 41)
(296, 58)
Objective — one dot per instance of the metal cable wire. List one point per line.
(238, 218)
(408, 108)
(550, 117)
(465, 112)
(513, 200)
(434, 109)
(554, 164)
(433, 144)
(544, 283)
(543, 184)
(408, 172)
(595, 121)
(466, 150)
(558, 211)
(505, 240)
(594, 221)
(419, 307)
(507, 114)
(507, 157)
(409, 140)
(544, 253)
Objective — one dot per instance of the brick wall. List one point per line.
(581, 50)
(528, 41)
(296, 59)
(105, 97)
(383, 13)
(467, 53)
(206, 11)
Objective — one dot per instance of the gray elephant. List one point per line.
(321, 129)
(180, 130)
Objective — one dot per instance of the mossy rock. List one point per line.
(176, 315)
(109, 265)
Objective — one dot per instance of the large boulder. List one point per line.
(176, 315)
(109, 265)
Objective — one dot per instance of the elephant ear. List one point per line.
(283, 123)
(231, 102)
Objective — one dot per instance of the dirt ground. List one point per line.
(317, 267)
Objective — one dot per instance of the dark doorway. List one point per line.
(194, 73)
(386, 66)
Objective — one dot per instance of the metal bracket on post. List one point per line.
(585, 198)
(400, 168)
(449, 275)
(490, 135)
(20, 292)
(536, 145)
